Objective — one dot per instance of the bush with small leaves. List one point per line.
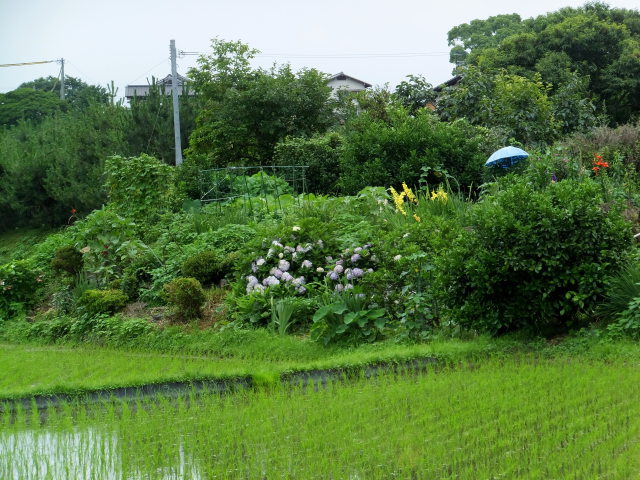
(534, 259)
(19, 284)
(186, 295)
(94, 302)
(205, 266)
(137, 277)
(67, 259)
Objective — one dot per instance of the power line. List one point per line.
(338, 55)
(27, 63)
(152, 68)
(358, 55)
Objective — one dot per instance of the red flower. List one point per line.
(73, 211)
(598, 163)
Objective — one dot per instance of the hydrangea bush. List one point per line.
(291, 269)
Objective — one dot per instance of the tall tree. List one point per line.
(247, 111)
(415, 92)
(28, 104)
(76, 92)
(596, 42)
(151, 127)
(519, 106)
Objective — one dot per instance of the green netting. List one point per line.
(254, 183)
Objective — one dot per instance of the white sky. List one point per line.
(128, 41)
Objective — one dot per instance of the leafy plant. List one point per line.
(345, 318)
(139, 187)
(94, 302)
(623, 288)
(206, 267)
(281, 315)
(187, 296)
(525, 262)
(67, 259)
(627, 323)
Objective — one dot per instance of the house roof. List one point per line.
(343, 76)
(143, 90)
(449, 83)
(165, 81)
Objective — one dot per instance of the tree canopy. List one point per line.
(76, 92)
(595, 42)
(39, 98)
(246, 111)
(28, 104)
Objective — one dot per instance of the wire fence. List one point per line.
(253, 184)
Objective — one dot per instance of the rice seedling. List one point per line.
(30, 369)
(517, 417)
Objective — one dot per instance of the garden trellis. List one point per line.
(255, 185)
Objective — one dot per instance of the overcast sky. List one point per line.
(128, 41)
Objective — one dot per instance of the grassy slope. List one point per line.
(18, 243)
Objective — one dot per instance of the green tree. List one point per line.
(481, 34)
(384, 152)
(572, 107)
(247, 111)
(151, 127)
(415, 93)
(621, 83)
(50, 168)
(28, 104)
(519, 106)
(464, 100)
(596, 42)
(77, 93)
(523, 108)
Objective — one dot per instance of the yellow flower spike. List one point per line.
(398, 200)
(440, 195)
(412, 198)
(416, 218)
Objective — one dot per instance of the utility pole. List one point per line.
(61, 78)
(176, 109)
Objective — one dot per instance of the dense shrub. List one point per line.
(139, 186)
(137, 275)
(229, 238)
(186, 295)
(383, 153)
(49, 170)
(534, 259)
(606, 141)
(320, 154)
(94, 302)
(67, 259)
(206, 267)
(19, 282)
